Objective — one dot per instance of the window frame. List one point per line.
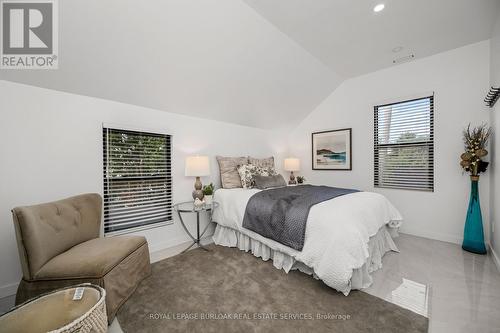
(427, 143)
(168, 179)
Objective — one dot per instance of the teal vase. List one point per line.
(473, 230)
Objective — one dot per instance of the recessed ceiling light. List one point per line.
(378, 8)
(397, 49)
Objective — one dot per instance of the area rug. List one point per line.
(228, 290)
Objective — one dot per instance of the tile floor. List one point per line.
(464, 288)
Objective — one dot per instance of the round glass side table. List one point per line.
(188, 207)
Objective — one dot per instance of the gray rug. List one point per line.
(227, 290)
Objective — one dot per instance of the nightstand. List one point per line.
(188, 207)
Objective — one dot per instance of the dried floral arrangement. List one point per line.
(475, 141)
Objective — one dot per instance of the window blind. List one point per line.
(404, 145)
(137, 180)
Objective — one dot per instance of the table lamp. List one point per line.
(197, 166)
(292, 164)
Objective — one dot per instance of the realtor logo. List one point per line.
(29, 34)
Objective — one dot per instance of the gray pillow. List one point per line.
(263, 182)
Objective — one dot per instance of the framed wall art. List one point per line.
(332, 150)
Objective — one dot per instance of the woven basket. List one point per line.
(94, 320)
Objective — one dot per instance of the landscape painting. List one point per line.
(331, 150)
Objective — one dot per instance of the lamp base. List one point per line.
(198, 193)
(292, 180)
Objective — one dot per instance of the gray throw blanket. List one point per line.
(281, 213)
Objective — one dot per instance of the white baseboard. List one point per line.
(166, 252)
(8, 289)
(496, 258)
(435, 236)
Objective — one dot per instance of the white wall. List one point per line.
(459, 79)
(495, 143)
(215, 59)
(52, 148)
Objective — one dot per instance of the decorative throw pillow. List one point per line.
(262, 162)
(263, 182)
(229, 175)
(247, 173)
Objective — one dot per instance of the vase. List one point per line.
(473, 230)
(208, 199)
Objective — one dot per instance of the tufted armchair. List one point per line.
(59, 245)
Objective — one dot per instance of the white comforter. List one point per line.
(337, 231)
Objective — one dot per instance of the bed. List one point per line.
(345, 237)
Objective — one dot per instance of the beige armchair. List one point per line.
(59, 246)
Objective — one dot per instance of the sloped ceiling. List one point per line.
(216, 59)
(352, 39)
(259, 63)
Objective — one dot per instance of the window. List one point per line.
(404, 145)
(137, 180)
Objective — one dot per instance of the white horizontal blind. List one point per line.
(404, 145)
(137, 180)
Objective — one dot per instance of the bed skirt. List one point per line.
(378, 245)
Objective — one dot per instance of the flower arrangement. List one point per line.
(301, 179)
(475, 141)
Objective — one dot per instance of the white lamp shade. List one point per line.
(197, 166)
(292, 164)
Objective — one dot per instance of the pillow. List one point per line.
(263, 182)
(262, 162)
(247, 173)
(229, 175)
